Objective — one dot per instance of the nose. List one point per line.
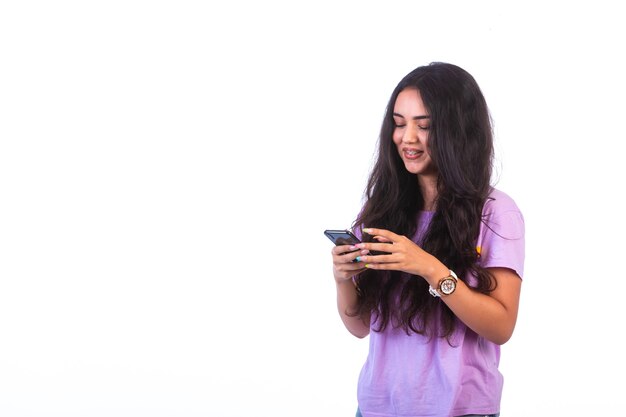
(410, 134)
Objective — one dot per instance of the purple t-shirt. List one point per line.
(410, 376)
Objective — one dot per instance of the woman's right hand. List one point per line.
(343, 266)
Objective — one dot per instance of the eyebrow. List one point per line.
(414, 118)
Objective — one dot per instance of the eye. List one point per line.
(399, 124)
(423, 127)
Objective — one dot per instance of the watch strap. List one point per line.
(433, 291)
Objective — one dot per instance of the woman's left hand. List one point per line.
(403, 254)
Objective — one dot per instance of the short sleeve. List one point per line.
(501, 241)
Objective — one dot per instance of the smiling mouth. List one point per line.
(412, 153)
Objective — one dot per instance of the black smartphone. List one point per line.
(342, 237)
(346, 237)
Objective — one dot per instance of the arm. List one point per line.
(347, 297)
(492, 316)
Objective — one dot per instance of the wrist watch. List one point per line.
(446, 286)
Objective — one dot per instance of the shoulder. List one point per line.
(502, 215)
(499, 202)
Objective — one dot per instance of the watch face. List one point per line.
(447, 286)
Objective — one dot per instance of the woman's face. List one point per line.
(412, 124)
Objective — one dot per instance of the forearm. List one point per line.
(491, 316)
(481, 313)
(347, 299)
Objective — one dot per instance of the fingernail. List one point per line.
(360, 246)
(358, 259)
(368, 265)
(352, 247)
(367, 230)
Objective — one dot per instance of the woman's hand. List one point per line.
(343, 266)
(403, 254)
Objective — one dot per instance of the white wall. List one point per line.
(167, 169)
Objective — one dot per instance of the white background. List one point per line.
(167, 169)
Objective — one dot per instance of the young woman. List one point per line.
(444, 296)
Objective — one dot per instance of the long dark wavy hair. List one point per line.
(460, 143)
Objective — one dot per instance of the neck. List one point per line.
(428, 187)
